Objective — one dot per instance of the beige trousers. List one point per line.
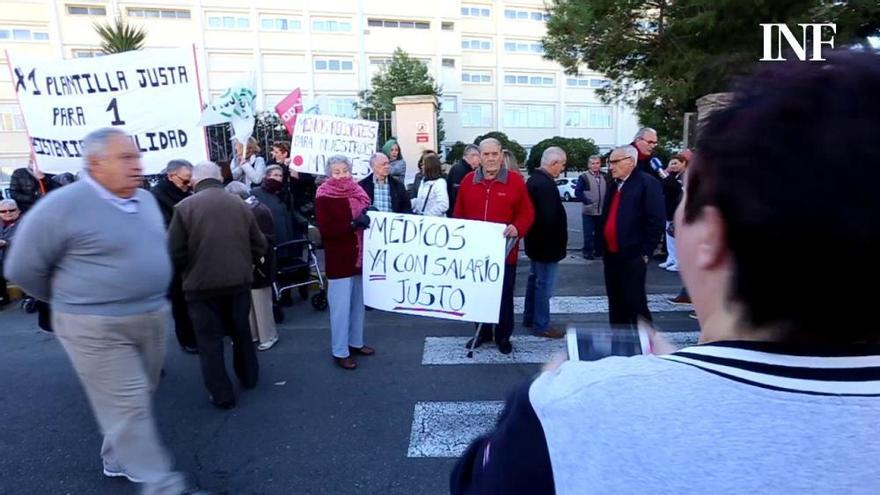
(119, 360)
(262, 319)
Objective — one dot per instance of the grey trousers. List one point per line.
(119, 360)
(346, 298)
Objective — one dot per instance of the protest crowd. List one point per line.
(734, 217)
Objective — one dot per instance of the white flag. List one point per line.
(236, 105)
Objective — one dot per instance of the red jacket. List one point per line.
(502, 200)
(339, 238)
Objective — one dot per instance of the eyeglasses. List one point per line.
(613, 162)
(9, 211)
(182, 180)
(649, 142)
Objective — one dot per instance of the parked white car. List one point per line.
(566, 188)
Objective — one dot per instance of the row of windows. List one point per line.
(587, 82)
(468, 11)
(526, 80)
(512, 46)
(156, 13)
(535, 116)
(388, 23)
(22, 34)
(11, 119)
(526, 15)
(333, 64)
(278, 24)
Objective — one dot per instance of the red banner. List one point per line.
(288, 108)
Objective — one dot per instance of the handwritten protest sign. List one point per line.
(318, 137)
(434, 266)
(153, 95)
(236, 105)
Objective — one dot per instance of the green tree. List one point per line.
(118, 37)
(506, 143)
(661, 55)
(404, 76)
(577, 151)
(455, 152)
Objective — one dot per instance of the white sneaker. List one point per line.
(265, 346)
(664, 264)
(113, 470)
(672, 268)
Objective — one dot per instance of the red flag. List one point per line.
(288, 108)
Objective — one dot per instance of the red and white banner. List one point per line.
(288, 108)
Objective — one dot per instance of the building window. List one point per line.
(86, 53)
(450, 104)
(21, 34)
(447, 26)
(387, 23)
(476, 115)
(10, 118)
(588, 117)
(86, 10)
(333, 65)
(476, 77)
(449, 63)
(587, 82)
(159, 13)
(331, 26)
(524, 46)
(475, 11)
(526, 15)
(219, 21)
(529, 80)
(280, 24)
(341, 107)
(476, 44)
(537, 116)
(599, 82)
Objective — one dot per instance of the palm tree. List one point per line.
(120, 37)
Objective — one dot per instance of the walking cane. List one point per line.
(470, 354)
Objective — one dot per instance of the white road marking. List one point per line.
(445, 429)
(657, 303)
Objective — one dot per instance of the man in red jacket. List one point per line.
(492, 194)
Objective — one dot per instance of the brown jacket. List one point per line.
(215, 240)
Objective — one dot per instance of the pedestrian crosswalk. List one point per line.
(444, 429)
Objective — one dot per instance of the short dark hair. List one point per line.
(763, 163)
(281, 145)
(431, 167)
(175, 165)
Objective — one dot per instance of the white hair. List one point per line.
(375, 156)
(490, 140)
(239, 189)
(471, 148)
(8, 202)
(337, 159)
(175, 165)
(206, 170)
(552, 155)
(630, 151)
(641, 132)
(95, 143)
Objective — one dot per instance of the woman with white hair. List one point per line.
(263, 330)
(9, 215)
(341, 209)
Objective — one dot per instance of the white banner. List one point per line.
(434, 266)
(153, 95)
(318, 137)
(236, 105)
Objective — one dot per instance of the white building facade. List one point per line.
(486, 55)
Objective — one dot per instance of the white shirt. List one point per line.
(432, 199)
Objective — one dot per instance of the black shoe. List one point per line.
(481, 339)
(222, 404)
(189, 350)
(505, 347)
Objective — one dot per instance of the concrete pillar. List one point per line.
(415, 126)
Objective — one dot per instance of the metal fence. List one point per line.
(269, 129)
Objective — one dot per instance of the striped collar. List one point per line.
(852, 370)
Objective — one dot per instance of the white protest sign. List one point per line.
(153, 95)
(434, 266)
(236, 105)
(318, 137)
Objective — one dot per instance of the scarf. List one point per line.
(272, 186)
(358, 200)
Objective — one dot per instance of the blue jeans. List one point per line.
(592, 242)
(539, 289)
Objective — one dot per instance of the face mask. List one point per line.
(272, 186)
